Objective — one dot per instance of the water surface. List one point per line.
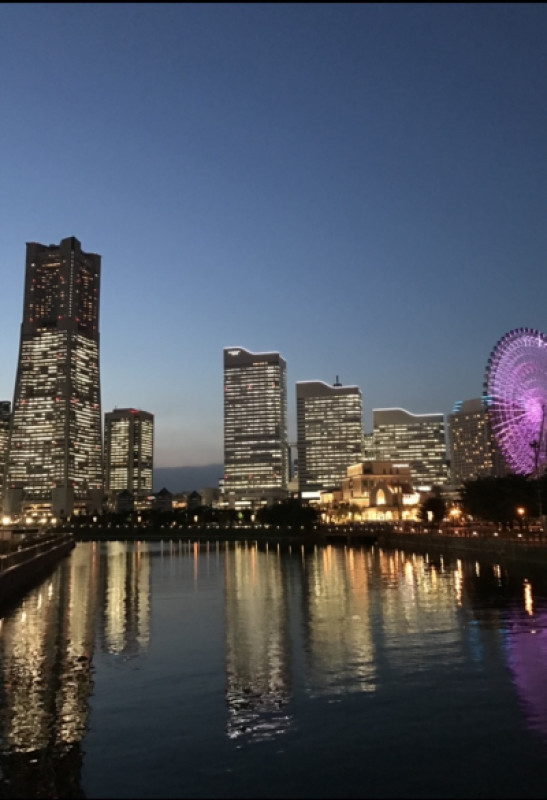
(170, 669)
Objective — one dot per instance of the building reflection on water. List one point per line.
(365, 617)
(323, 621)
(126, 624)
(527, 656)
(358, 613)
(257, 643)
(340, 650)
(46, 650)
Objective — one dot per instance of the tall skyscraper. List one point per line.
(473, 449)
(256, 450)
(55, 449)
(5, 418)
(415, 439)
(329, 422)
(129, 453)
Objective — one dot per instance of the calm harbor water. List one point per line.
(173, 669)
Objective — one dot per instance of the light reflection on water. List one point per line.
(121, 672)
(257, 644)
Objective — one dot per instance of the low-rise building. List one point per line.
(163, 500)
(374, 490)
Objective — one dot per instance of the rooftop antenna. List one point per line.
(337, 382)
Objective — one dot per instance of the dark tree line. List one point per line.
(497, 499)
(434, 506)
(290, 512)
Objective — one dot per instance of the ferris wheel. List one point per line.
(516, 395)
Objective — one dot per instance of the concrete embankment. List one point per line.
(527, 552)
(24, 568)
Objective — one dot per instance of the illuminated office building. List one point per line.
(256, 451)
(55, 449)
(329, 432)
(5, 417)
(473, 450)
(415, 439)
(128, 453)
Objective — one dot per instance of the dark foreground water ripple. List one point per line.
(170, 669)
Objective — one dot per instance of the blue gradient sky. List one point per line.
(362, 188)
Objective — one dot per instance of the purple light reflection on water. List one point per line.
(527, 657)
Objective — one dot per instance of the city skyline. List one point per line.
(359, 188)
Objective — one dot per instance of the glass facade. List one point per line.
(129, 452)
(473, 450)
(55, 447)
(255, 424)
(416, 439)
(329, 433)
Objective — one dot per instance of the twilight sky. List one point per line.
(362, 188)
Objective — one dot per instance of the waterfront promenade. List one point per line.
(27, 558)
(296, 534)
(522, 544)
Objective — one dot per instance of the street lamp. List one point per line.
(521, 512)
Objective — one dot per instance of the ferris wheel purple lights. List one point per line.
(516, 389)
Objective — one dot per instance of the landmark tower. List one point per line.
(55, 450)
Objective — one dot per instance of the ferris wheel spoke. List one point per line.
(516, 382)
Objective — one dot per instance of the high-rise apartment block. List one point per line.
(256, 450)
(415, 439)
(128, 453)
(5, 418)
(329, 424)
(473, 450)
(55, 449)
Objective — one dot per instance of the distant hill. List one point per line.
(187, 479)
